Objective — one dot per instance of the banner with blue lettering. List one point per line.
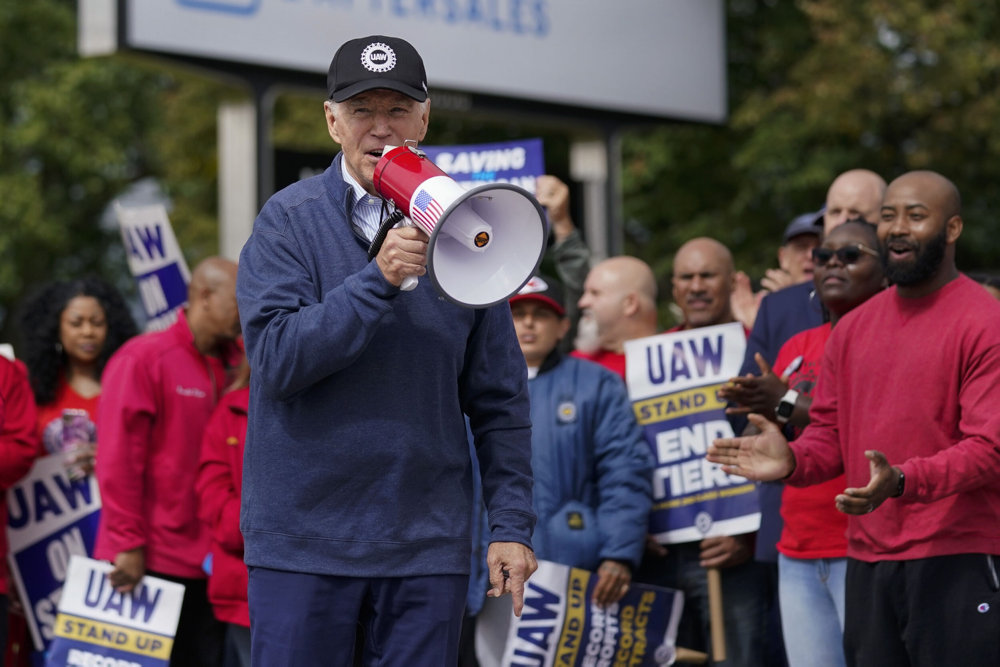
(673, 381)
(50, 518)
(99, 626)
(560, 625)
(518, 162)
(156, 262)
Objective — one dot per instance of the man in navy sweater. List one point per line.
(357, 484)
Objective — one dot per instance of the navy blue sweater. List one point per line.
(357, 461)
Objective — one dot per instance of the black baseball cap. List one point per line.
(377, 61)
(544, 290)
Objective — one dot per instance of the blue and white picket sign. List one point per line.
(50, 518)
(518, 162)
(99, 626)
(155, 261)
(560, 625)
(673, 380)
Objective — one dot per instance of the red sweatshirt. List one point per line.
(613, 361)
(18, 441)
(918, 380)
(220, 483)
(158, 392)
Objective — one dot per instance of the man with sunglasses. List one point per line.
(906, 408)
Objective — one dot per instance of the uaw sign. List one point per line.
(97, 625)
(560, 624)
(50, 519)
(155, 261)
(673, 381)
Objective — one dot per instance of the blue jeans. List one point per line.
(811, 594)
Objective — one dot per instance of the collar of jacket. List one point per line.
(551, 361)
(342, 195)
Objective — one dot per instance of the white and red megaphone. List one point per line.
(485, 243)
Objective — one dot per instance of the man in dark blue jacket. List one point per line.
(357, 485)
(591, 464)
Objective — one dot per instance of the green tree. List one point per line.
(817, 87)
(74, 134)
(70, 138)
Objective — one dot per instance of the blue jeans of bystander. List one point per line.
(811, 593)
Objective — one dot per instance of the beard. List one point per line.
(588, 339)
(927, 259)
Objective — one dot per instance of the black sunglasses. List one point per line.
(848, 254)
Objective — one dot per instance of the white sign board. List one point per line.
(673, 380)
(156, 262)
(663, 58)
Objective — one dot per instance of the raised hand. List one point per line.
(764, 457)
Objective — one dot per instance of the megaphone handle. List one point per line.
(408, 284)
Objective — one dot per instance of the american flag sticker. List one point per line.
(425, 210)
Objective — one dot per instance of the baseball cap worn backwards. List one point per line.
(544, 290)
(377, 61)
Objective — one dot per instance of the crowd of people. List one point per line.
(322, 509)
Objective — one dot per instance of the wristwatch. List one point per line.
(900, 485)
(783, 412)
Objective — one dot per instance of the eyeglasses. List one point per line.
(848, 254)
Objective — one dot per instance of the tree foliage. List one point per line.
(815, 87)
(818, 87)
(74, 134)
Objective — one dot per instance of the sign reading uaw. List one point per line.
(99, 627)
(673, 380)
(562, 626)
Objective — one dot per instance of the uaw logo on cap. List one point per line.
(378, 57)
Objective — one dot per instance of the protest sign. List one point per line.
(100, 626)
(672, 381)
(155, 261)
(50, 518)
(518, 162)
(560, 625)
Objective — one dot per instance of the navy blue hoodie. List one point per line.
(357, 461)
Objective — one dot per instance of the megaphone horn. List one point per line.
(485, 243)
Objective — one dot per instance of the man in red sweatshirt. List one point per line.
(906, 408)
(159, 392)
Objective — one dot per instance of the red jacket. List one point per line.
(158, 392)
(18, 441)
(220, 482)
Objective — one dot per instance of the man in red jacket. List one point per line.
(18, 446)
(159, 392)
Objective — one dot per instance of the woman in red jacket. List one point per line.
(18, 446)
(220, 482)
(70, 331)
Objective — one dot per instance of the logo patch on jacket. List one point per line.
(574, 520)
(232, 441)
(191, 391)
(566, 412)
